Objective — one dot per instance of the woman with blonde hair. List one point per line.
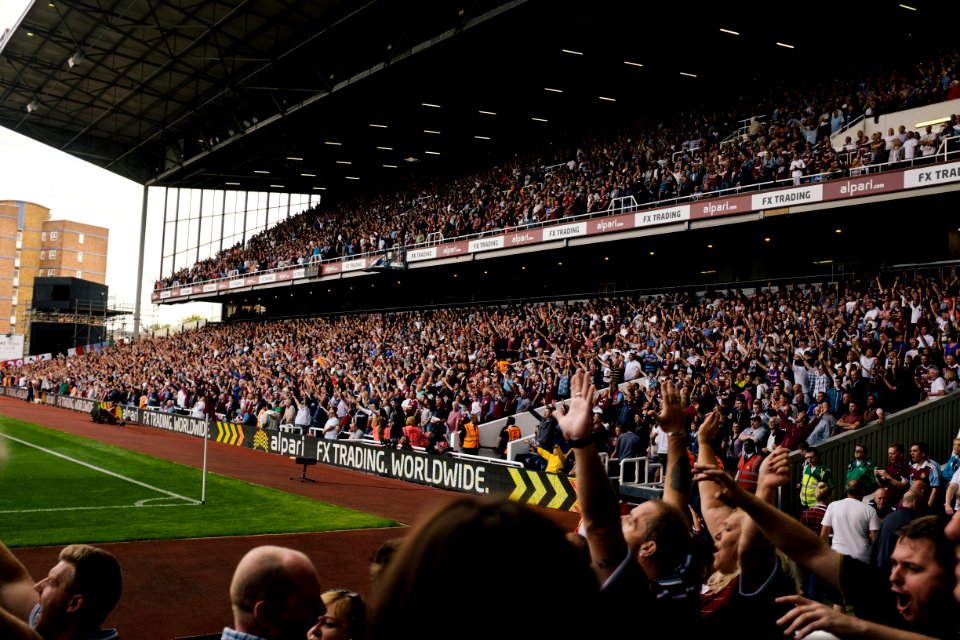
(345, 618)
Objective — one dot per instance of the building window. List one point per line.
(51, 272)
(79, 256)
(43, 254)
(53, 235)
(80, 239)
(43, 236)
(79, 275)
(53, 254)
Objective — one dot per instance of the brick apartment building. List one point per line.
(32, 245)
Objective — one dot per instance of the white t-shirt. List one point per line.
(852, 521)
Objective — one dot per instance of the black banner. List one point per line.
(443, 472)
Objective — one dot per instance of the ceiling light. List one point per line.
(432, 106)
(333, 144)
(733, 33)
(344, 162)
(276, 186)
(930, 123)
(553, 90)
(784, 45)
(539, 119)
(295, 159)
(488, 113)
(309, 175)
(689, 75)
(390, 166)
(766, 239)
(839, 230)
(606, 99)
(432, 153)
(572, 52)
(30, 33)
(260, 171)
(320, 188)
(632, 64)
(436, 133)
(908, 7)
(352, 178)
(232, 184)
(385, 148)
(378, 126)
(32, 106)
(708, 272)
(410, 159)
(482, 137)
(651, 253)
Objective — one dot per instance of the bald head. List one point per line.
(275, 593)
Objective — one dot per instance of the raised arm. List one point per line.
(599, 505)
(786, 533)
(17, 594)
(713, 509)
(676, 489)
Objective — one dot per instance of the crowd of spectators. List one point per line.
(697, 155)
(803, 362)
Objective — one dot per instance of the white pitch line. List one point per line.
(100, 469)
(116, 506)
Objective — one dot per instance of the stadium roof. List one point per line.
(344, 96)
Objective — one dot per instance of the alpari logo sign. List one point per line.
(853, 188)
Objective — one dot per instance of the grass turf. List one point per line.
(48, 500)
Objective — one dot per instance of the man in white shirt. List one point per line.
(938, 386)
(910, 146)
(928, 143)
(852, 523)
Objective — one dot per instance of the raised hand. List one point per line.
(729, 492)
(808, 616)
(672, 417)
(576, 420)
(775, 469)
(709, 428)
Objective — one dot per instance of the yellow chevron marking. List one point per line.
(221, 427)
(561, 492)
(538, 489)
(233, 433)
(519, 485)
(240, 433)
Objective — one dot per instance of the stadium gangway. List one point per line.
(629, 480)
(941, 156)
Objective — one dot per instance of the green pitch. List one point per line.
(56, 488)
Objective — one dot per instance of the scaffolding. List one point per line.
(85, 316)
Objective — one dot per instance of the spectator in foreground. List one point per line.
(913, 601)
(431, 556)
(345, 619)
(70, 603)
(275, 595)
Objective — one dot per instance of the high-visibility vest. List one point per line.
(812, 476)
(472, 439)
(513, 432)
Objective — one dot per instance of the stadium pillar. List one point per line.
(143, 237)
